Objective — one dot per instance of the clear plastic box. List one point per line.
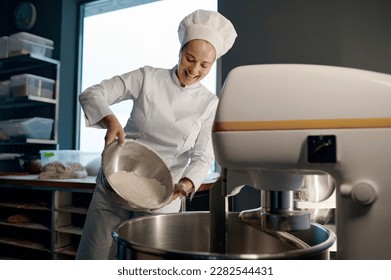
(24, 43)
(84, 158)
(5, 89)
(39, 128)
(4, 47)
(28, 84)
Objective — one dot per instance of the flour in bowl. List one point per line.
(145, 192)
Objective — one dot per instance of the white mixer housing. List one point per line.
(277, 122)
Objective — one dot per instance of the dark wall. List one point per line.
(57, 21)
(350, 33)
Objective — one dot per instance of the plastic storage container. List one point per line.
(24, 43)
(4, 47)
(5, 89)
(89, 160)
(40, 128)
(28, 84)
(84, 158)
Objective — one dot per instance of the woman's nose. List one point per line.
(194, 69)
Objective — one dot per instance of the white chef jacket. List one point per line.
(175, 121)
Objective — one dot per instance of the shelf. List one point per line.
(30, 106)
(71, 251)
(27, 195)
(25, 62)
(26, 225)
(29, 141)
(57, 209)
(25, 102)
(29, 206)
(23, 243)
(72, 209)
(70, 229)
(8, 259)
(41, 141)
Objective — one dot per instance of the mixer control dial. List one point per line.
(322, 149)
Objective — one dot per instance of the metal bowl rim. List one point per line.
(292, 254)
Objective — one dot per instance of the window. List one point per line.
(119, 36)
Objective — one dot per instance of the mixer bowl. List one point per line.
(187, 236)
(133, 156)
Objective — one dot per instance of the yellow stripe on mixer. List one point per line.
(302, 124)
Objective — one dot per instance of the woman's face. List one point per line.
(195, 61)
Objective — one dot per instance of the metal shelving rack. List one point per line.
(30, 106)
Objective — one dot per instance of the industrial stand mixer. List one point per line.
(277, 123)
(275, 126)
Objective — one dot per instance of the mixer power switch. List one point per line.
(322, 149)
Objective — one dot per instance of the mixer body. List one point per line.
(277, 123)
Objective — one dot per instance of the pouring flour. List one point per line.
(145, 192)
(138, 177)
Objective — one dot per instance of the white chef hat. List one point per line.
(210, 26)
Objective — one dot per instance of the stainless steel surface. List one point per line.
(316, 188)
(136, 157)
(276, 213)
(321, 215)
(281, 220)
(187, 236)
(317, 196)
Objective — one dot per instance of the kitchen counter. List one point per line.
(87, 183)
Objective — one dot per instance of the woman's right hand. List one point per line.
(114, 130)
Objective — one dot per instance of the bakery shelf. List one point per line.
(67, 251)
(26, 225)
(24, 63)
(72, 209)
(22, 205)
(25, 102)
(30, 106)
(28, 140)
(23, 243)
(40, 141)
(57, 210)
(70, 229)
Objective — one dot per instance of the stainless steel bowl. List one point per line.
(133, 156)
(187, 236)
